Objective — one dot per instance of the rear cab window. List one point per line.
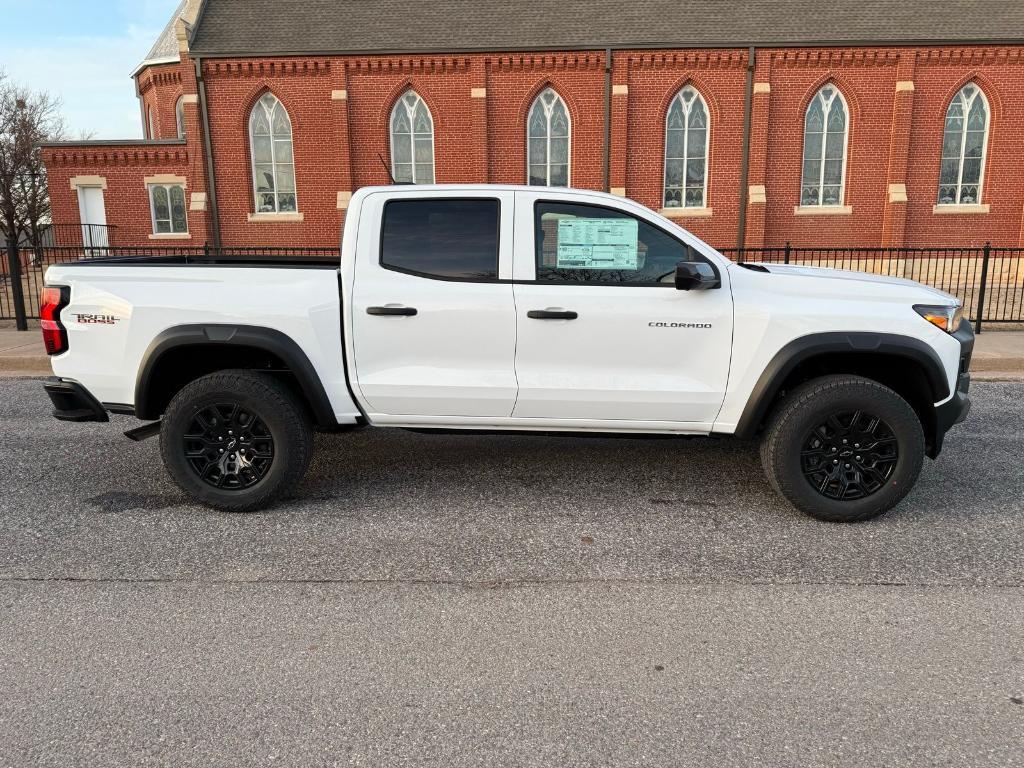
(443, 239)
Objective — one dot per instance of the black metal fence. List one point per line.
(990, 281)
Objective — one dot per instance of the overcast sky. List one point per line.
(83, 51)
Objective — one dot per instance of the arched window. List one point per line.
(273, 166)
(548, 135)
(963, 148)
(412, 140)
(686, 151)
(179, 116)
(150, 124)
(825, 131)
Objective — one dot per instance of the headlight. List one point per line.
(945, 317)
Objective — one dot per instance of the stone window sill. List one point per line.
(979, 208)
(276, 217)
(823, 210)
(171, 236)
(686, 213)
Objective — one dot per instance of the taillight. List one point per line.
(54, 299)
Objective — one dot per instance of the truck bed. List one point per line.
(121, 307)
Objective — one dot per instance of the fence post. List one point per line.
(985, 253)
(785, 255)
(17, 290)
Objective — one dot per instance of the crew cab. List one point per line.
(519, 309)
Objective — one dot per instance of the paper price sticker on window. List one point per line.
(597, 244)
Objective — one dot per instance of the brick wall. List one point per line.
(939, 76)
(159, 88)
(121, 171)
(340, 107)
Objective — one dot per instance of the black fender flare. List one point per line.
(269, 340)
(806, 347)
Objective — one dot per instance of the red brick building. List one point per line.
(867, 124)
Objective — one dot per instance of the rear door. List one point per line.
(434, 331)
(603, 335)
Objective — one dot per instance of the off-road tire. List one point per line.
(811, 404)
(260, 394)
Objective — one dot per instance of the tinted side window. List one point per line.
(441, 238)
(591, 244)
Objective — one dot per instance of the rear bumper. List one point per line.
(955, 410)
(73, 402)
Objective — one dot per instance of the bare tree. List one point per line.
(27, 118)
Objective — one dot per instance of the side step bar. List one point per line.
(144, 432)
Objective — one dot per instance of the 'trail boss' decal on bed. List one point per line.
(96, 319)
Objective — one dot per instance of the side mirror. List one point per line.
(696, 276)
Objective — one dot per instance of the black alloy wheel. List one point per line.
(236, 440)
(228, 446)
(843, 448)
(850, 456)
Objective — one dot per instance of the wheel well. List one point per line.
(903, 375)
(180, 366)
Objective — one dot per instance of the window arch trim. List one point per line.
(827, 105)
(698, 98)
(410, 109)
(548, 108)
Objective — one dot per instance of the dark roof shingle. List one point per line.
(250, 27)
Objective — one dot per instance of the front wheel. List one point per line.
(236, 440)
(843, 448)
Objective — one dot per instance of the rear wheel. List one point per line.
(236, 440)
(843, 448)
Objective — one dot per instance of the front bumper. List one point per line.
(955, 410)
(73, 402)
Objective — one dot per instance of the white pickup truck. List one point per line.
(505, 308)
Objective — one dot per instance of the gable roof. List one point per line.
(254, 27)
(165, 49)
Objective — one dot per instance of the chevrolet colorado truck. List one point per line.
(503, 308)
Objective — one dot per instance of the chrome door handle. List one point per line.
(385, 311)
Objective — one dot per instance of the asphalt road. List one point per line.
(493, 601)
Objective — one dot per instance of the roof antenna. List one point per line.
(386, 167)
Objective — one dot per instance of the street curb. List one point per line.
(1001, 364)
(1014, 376)
(24, 365)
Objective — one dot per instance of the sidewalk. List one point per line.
(22, 353)
(997, 355)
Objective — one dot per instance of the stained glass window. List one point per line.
(167, 203)
(686, 151)
(412, 140)
(273, 164)
(825, 131)
(963, 148)
(548, 133)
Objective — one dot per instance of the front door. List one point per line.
(434, 332)
(93, 216)
(603, 335)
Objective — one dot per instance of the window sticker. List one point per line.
(597, 244)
